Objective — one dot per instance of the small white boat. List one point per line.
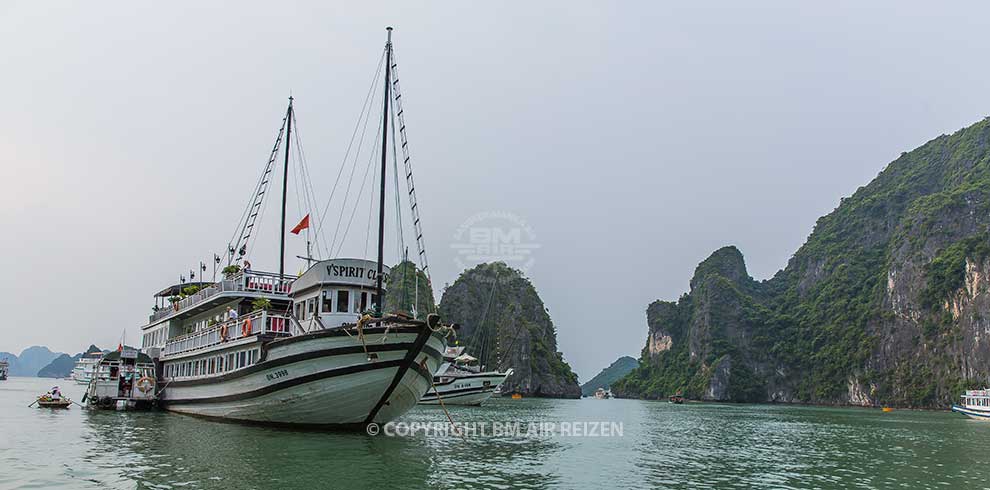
(460, 381)
(975, 404)
(83, 370)
(4, 366)
(122, 380)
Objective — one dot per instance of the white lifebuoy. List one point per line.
(145, 384)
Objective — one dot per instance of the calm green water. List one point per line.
(660, 446)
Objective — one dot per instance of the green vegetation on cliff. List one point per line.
(869, 310)
(506, 325)
(615, 371)
(408, 289)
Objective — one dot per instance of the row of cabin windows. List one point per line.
(978, 402)
(212, 365)
(152, 339)
(204, 323)
(328, 302)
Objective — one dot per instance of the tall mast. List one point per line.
(379, 307)
(285, 188)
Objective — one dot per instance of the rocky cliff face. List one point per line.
(886, 303)
(505, 324)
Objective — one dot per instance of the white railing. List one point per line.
(251, 281)
(254, 323)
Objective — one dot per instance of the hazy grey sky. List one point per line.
(634, 138)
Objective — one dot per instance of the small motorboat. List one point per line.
(676, 399)
(975, 405)
(46, 401)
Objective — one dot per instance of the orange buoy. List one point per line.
(887, 409)
(246, 328)
(517, 396)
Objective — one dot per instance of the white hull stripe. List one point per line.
(455, 393)
(264, 365)
(358, 368)
(971, 413)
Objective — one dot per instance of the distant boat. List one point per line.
(83, 370)
(676, 399)
(601, 394)
(975, 405)
(4, 367)
(460, 381)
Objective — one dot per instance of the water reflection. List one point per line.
(661, 445)
(161, 450)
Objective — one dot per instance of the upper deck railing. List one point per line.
(249, 281)
(256, 322)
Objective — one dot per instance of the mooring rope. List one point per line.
(444, 407)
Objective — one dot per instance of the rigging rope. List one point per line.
(364, 110)
(357, 200)
(312, 207)
(410, 184)
(481, 336)
(350, 181)
(245, 223)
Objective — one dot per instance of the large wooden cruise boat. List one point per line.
(318, 362)
(314, 350)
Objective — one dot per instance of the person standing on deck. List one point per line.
(231, 313)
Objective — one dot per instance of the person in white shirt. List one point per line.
(231, 313)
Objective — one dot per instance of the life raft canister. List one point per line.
(145, 384)
(246, 327)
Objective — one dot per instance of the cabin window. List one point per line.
(343, 297)
(241, 359)
(213, 366)
(310, 306)
(230, 361)
(374, 300)
(327, 301)
(364, 302)
(220, 364)
(299, 311)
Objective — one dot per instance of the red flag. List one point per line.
(120, 347)
(301, 226)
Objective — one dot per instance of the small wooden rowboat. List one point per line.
(48, 402)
